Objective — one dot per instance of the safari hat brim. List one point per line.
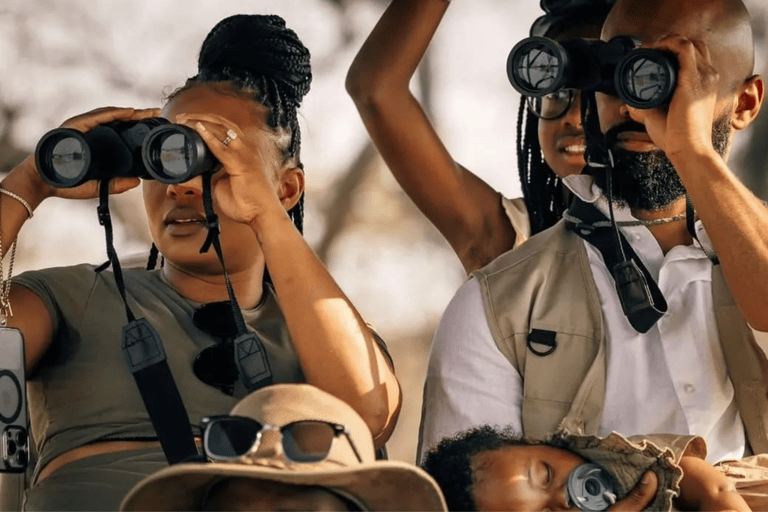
(381, 485)
(371, 483)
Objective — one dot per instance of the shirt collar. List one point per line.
(584, 187)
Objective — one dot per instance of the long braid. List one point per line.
(541, 187)
(523, 156)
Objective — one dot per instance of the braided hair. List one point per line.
(258, 54)
(542, 188)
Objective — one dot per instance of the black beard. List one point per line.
(648, 181)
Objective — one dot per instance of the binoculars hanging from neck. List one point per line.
(641, 77)
(151, 148)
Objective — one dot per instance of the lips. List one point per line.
(179, 216)
(571, 145)
(636, 141)
(633, 137)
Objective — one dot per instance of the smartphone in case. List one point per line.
(14, 438)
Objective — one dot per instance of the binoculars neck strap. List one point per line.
(145, 356)
(250, 354)
(641, 300)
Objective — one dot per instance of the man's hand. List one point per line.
(686, 124)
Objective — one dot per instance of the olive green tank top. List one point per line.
(82, 391)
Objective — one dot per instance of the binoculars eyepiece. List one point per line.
(151, 149)
(641, 77)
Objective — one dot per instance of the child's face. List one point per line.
(523, 478)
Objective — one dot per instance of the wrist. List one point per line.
(693, 160)
(25, 181)
(270, 222)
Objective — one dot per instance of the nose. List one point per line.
(624, 110)
(561, 500)
(187, 188)
(572, 116)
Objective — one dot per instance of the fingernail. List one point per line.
(200, 126)
(646, 478)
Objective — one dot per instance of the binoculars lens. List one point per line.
(647, 78)
(536, 66)
(65, 157)
(552, 106)
(175, 154)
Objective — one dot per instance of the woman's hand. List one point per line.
(248, 187)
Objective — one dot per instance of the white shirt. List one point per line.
(671, 379)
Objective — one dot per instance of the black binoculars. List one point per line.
(151, 148)
(641, 77)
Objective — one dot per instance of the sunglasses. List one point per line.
(215, 365)
(227, 438)
(553, 105)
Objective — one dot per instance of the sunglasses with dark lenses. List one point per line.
(227, 438)
(553, 105)
(215, 365)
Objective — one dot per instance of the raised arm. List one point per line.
(465, 209)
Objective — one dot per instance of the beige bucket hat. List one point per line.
(371, 484)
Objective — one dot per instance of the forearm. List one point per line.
(737, 223)
(465, 210)
(705, 488)
(391, 53)
(336, 349)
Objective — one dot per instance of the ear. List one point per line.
(291, 187)
(750, 97)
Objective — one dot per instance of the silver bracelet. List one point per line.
(19, 199)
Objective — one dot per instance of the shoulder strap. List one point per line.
(641, 300)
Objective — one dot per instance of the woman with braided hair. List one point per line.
(476, 221)
(91, 425)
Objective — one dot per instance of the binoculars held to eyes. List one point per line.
(641, 77)
(151, 149)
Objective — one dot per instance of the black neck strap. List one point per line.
(640, 297)
(145, 355)
(250, 355)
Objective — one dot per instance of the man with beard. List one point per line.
(538, 339)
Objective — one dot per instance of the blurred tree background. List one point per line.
(59, 58)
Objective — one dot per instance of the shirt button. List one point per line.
(689, 388)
